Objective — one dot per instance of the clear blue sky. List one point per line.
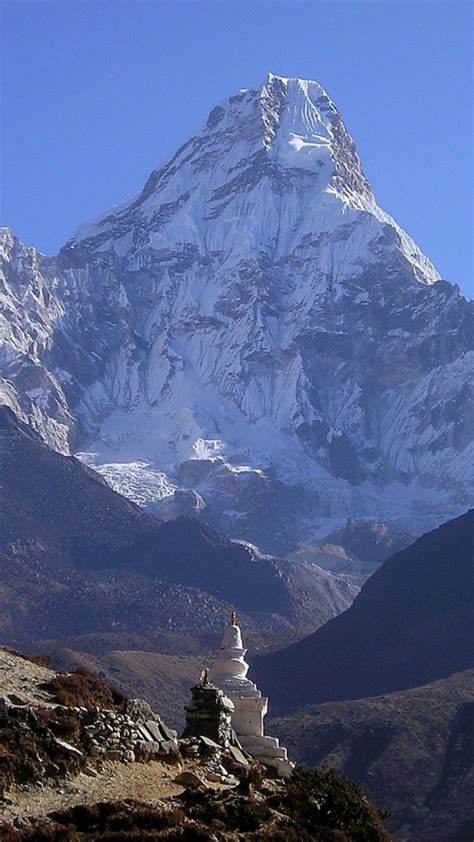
(96, 94)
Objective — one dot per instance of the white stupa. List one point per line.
(229, 672)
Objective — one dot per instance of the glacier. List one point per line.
(250, 338)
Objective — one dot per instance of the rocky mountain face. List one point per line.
(250, 338)
(412, 623)
(357, 549)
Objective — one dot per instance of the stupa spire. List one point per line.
(229, 672)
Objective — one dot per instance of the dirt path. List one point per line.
(151, 782)
(144, 781)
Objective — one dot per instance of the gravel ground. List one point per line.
(143, 781)
(21, 678)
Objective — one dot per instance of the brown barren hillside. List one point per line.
(413, 752)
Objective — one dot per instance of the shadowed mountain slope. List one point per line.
(412, 623)
(411, 751)
(59, 517)
(76, 558)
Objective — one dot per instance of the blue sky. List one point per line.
(96, 94)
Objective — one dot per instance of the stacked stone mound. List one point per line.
(51, 741)
(209, 737)
(209, 715)
(136, 734)
(213, 763)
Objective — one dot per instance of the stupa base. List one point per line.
(268, 751)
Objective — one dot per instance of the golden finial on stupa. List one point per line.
(233, 618)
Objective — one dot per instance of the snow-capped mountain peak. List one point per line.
(255, 299)
(305, 130)
(271, 166)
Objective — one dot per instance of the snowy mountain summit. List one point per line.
(251, 338)
(269, 167)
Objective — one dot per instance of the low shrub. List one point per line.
(29, 751)
(327, 801)
(84, 689)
